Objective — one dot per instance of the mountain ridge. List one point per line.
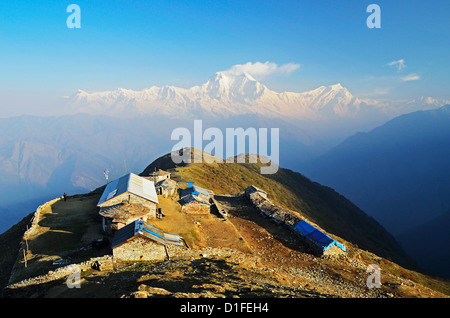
(227, 94)
(267, 263)
(318, 203)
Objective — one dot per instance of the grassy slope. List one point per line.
(319, 204)
(9, 247)
(62, 228)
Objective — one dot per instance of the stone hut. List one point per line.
(116, 217)
(195, 200)
(159, 175)
(194, 204)
(126, 199)
(142, 241)
(196, 190)
(319, 242)
(252, 190)
(273, 211)
(166, 187)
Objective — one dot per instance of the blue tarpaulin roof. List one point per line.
(316, 236)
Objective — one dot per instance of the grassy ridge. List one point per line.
(364, 237)
(289, 189)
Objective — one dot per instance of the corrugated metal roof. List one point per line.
(252, 189)
(131, 183)
(194, 190)
(147, 230)
(194, 198)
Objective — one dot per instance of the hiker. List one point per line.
(65, 196)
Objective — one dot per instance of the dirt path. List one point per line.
(199, 231)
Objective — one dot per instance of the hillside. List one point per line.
(424, 245)
(292, 190)
(397, 173)
(246, 255)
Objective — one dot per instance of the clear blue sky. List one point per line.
(137, 44)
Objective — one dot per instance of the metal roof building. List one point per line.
(146, 230)
(317, 237)
(195, 190)
(189, 198)
(132, 184)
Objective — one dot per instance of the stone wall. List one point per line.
(64, 271)
(29, 233)
(140, 249)
(196, 208)
(267, 208)
(285, 217)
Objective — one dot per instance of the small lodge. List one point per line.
(195, 200)
(166, 188)
(196, 190)
(125, 200)
(194, 204)
(252, 190)
(319, 242)
(259, 200)
(159, 175)
(142, 241)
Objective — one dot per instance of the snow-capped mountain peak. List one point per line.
(228, 93)
(223, 94)
(233, 87)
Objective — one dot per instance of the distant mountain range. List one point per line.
(222, 95)
(227, 95)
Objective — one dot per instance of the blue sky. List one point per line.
(137, 44)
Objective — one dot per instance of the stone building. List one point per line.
(159, 175)
(318, 241)
(116, 217)
(195, 200)
(203, 193)
(252, 190)
(166, 187)
(194, 204)
(126, 199)
(142, 241)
